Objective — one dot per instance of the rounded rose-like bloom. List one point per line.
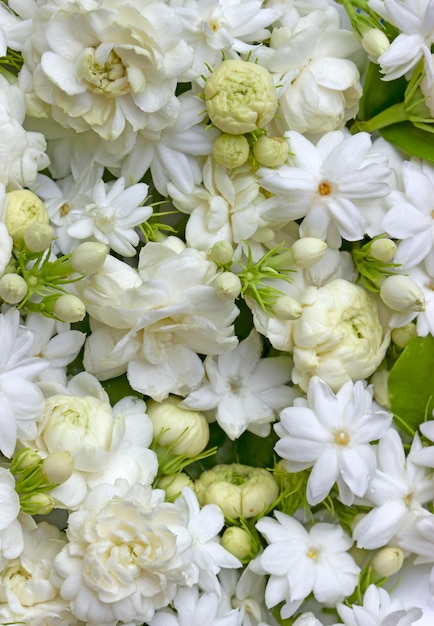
(29, 592)
(106, 66)
(239, 490)
(240, 96)
(128, 551)
(339, 336)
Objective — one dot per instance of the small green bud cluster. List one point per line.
(35, 477)
(33, 281)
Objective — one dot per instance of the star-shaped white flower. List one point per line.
(331, 433)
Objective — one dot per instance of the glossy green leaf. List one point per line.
(411, 384)
(414, 141)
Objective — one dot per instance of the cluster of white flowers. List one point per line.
(216, 312)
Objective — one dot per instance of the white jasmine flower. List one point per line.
(339, 336)
(244, 390)
(397, 491)
(21, 402)
(104, 443)
(22, 152)
(301, 562)
(191, 608)
(415, 21)
(411, 220)
(28, 589)
(213, 26)
(227, 206)
(425, 318)
(11, 534)
(310, 57)
(327, 185)
(331, 433)
(127, 554)
(89, 209)
(245, 592)
(105, 67)
(378, 609)
(56, 343)
(208, 555)
(179, 316)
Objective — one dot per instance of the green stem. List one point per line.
(393, 115)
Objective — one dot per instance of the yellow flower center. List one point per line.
(342, 438)
(324, 188)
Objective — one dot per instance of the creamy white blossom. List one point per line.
(146, 544)
(103, 66)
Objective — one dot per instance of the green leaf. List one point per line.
(379, 94)
(411, 384)
(415, 141)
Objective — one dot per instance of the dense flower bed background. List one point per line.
(216, 290)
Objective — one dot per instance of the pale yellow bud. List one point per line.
(13, 288)
(23, 208)
(227, 286)
(221, 252)
(239, 490)
(240, 96)
(287, 308)
(174, 484)
(186, 432)
(88, 257)
(237, 541)
(231, 150)
(379, 380)
(37, 504)
(402, 336)
(388, 561)
(69, 308)
(402, 294)
(308, 250)
(270, 151)
(383, 249)
(375, 42)
(58, 467)
(38, 237)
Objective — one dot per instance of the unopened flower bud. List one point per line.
(240, 96)
(38, 237)
(221, 253)
(383, 249)
(231, 150)
(186, 432)
(388, 561)
(375, 42)
(58, 467)
(13, 288)
(69, 308)
(401, 293)
(227, 286)
(23, 460)
(88, 257)
(287, 308)
(402, 336)
(173, 484)
(23, 208)
(379, 380)
(270, 151)
(308, 250)
(37, 504)
(239, 490)
(237, 541)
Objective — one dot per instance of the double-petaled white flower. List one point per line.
(127, 554)
(332, 433)
(105, 67)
